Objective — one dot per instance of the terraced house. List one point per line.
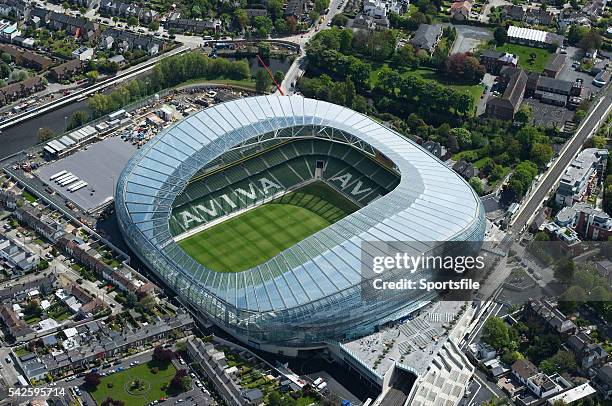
(111, 8)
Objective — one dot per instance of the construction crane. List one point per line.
(270, 74)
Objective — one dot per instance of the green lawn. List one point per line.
(28, 196)
(246, 83)
(475, 91)
(259, 234)
(121, 382)
(524, 56)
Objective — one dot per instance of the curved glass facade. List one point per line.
(310, 292)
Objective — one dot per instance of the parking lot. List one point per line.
(468, 38)
(99, 165)
(548, 115)
(570, 73)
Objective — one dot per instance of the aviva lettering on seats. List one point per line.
(221, 205)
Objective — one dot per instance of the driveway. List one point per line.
(468, 38)
(486, 10)
(488, 81)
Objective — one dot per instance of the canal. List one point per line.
(23, 136)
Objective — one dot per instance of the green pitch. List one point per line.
(254, 237)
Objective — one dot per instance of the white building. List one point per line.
(83, 53)
(579, 175)
(573, 395)
(380, 8)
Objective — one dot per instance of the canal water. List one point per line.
(273, 63)
(23, 136)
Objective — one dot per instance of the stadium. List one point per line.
(255, 212)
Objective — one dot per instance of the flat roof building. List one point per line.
(535, 38)
(580, 175)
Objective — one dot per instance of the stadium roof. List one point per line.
(431, 203)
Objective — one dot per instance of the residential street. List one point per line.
(531, 203)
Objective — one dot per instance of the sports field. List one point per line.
(259, 234)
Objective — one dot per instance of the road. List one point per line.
(298, 67)
(532, 202)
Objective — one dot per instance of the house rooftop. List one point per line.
(524, 368)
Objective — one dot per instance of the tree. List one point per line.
(274, 399)
(476, 184)
(154, 25)
(279, 76)
(44, 134)
(130, 299)
(562, 361)
(92, 76)
(406, 57)
(564, 270)
(262, 81)
(196, 11)
(599, 294)
(573, 297)
(242, 19)
(524, 115)
(77, 119)
(340, 20)
(132, 21)
(541, 154)
(346, 41)
(147, 303)
(464, 66)
(591, 40)
(321, 5)
(464, 137)
(181, 380)
(281, 26)
(292, 24)
(92, 380)
(510, 357)
(263, 49)
(314, 16)
(495, 333)
(275, 7)
(19, 75)
(452, 144)
(5, 70)
(162, 355)
(42, 265)
(501, 35)
(33, 309)
(575, 34)
(264, 25)
(349, 92)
